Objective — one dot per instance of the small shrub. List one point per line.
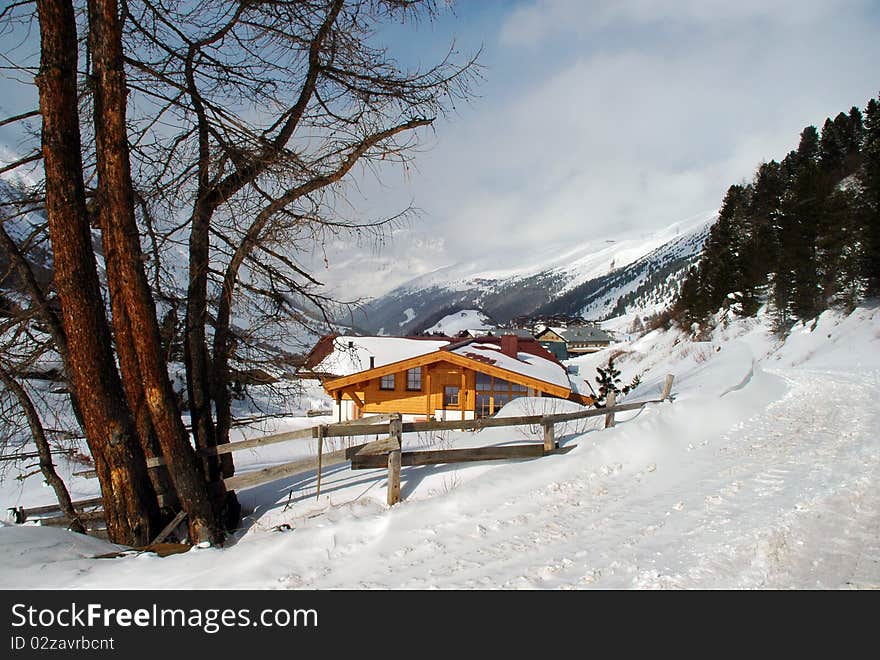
(609, 381)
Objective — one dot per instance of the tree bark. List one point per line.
(130, 505)
(47, 467)
(124, 259)
(134, 393)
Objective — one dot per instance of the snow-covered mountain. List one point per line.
(596, 279)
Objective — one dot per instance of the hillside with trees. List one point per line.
(802, 237)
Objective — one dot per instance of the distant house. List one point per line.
(435, 378)
(522, 333)
(473, 332)
(573, 341)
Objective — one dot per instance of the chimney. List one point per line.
(372, 362)
(510, 345)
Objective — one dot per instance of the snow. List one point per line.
(352, 354)
(762, 473)
(408, 315)
(524, 363)
(466, 319)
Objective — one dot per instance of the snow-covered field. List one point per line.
(761, 474)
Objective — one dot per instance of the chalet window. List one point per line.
(414, 379)
(483, 405)
(493, 393)
(387, 382)
(450, 395)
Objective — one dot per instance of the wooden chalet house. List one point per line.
(439, 378)
(573, 341)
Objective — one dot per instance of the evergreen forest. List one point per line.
(802, 237)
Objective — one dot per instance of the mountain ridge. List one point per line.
(595, 279)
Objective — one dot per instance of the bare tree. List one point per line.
(277, 103)
(47, 467)
(231, 131)
(134, 311)
(130, 505)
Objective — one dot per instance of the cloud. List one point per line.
(534, 22)
(605, 118)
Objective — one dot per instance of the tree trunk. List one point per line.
(123, 250)
(134, 393)
(130, 505)
(195, 343)
(45, 452)
(220, 373)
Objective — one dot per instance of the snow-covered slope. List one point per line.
(742, 481)
(596, 279)
(467, 319)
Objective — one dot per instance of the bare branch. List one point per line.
(22, 161)
(15, 118)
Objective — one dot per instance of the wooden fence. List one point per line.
(388, 452)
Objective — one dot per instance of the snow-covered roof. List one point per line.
(519, 332)
(350, 354)
(527, 364)
(582, 333)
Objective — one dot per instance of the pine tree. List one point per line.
(840, 143)
(761, 250)
(687, 308)
(719, 272)
(870, 203)
(609, 381)
(803, 208)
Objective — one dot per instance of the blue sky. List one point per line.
(602, 118)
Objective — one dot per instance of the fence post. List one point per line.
(610, 401)
(395, 431)
(549, 437)
(667, 387)
(319, 430)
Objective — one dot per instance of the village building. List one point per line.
(438, 378)
(573, 341)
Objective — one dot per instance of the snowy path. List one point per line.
(786, 499)
(791, 500)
